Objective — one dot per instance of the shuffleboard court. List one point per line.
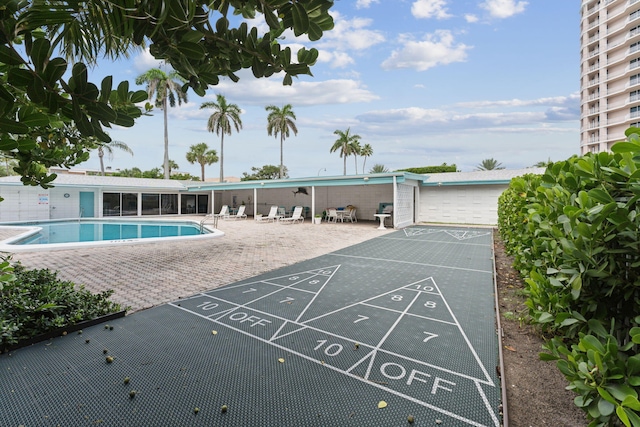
(407, 318)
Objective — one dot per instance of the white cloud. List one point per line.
(335, 59)
(251, 91)
(351, 34)
(470, 18)
(548, 101)
(364, 4)
(436, 49)
(430, 9)
(144, 62)
(348, 37)
(503, 8)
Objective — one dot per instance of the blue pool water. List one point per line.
(97, 231)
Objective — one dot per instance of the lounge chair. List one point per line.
(224, 212)
(273, 215)
(240, 214)
(296, 217)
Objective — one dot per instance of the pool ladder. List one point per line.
(215, 221)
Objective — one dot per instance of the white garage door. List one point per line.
(469, 204)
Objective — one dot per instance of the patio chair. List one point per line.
(350, 214)
(240, 214)
(294, 218)
(273, 215)
(224, 212)
(332, 215)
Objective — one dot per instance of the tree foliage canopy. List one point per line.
(49, 108)
(265, 172)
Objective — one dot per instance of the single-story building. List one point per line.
(456, 197)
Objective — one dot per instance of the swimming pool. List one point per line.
(69, 234)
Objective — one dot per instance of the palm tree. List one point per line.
(365, 151)
(108, 147)
(378, 168)
(356, 149)
(281, 121)
(220, 122)
(345, 144)
(167, 89)
(200, 153)
(489, 164)
(173, 166)
(543, 164)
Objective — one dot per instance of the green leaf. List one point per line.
(622, 415)
(605, 407)
(35, 119)
(300, 19)
(7, 144)
(9, 56)
(631, 402)
(625, 147)
(545, 318)
(11, 126)
(79, 77)
(123, 120)
(27, 144)
(123, 91)
(139, 96)
(19, 77)
(102, 112)
(54, 70)
(192, 50)
(105, 89)
(40, 53)
(547, 357)
(621, 391)
(592, 343)
(606, 395)
(272, 20)
(596, 327)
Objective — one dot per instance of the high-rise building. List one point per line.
(609, 72)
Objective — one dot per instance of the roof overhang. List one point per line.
(325, 181)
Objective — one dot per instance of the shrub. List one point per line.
(33, 302)
(574, 233)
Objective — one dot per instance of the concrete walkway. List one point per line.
(144, 276)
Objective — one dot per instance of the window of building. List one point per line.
(634, 80)
(635, 30)
(634, 47)
(634, 15)
(120, 204)
(634, 111)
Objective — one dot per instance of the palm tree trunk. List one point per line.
(281, 156)
(202, 170)
(344, 171)
(100, 155)
(355, 158)
(222, 158)
(364, 161)
(167, 174)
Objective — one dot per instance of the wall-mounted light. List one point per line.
(67, 195)
(366, 178)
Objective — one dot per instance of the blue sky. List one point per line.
(422, 81)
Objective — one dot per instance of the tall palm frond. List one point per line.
(366, 151)
(221, 121)
(167, 90)
(281, 121)
(345, 145)
(200, 153)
